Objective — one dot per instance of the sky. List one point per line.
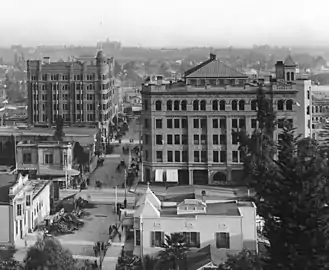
(166, 23)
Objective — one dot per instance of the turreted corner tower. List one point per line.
(290, 69)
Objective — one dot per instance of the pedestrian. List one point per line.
(102, 246)
(98, 246)
(110, 230)
(95, 264)
(119, 236)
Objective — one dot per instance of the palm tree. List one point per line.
(175, 250)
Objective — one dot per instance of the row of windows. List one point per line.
(79, 117)
(67, 87)
(198, 156)
(192, 239)
(65, 77)
(216, 105)
(319, 109)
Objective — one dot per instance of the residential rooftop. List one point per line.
(6, 181)
(216, 209)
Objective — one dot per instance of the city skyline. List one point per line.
(165, 24)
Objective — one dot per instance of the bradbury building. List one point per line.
(187, 126)
(80, 91)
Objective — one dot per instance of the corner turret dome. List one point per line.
(100, 55)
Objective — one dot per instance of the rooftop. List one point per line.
(289, 61)
(216, 69)
(217, 209)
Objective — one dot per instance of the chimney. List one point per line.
(159, 79)
(212, 56)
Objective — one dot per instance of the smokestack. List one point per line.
(212, 56)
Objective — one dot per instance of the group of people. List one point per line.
(100, 249)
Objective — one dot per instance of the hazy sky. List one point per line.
(165, 23)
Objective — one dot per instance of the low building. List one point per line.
(45, 159)
(24, 203)
(226, 226)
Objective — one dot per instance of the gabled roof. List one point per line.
(151, 197)
(197, 67)
(147, 209)
(289, 61)
(216, 69)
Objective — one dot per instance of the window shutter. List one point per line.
(152, 239)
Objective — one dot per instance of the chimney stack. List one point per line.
(212, 56)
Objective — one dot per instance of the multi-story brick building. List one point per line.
(79, 91)
(187, 126)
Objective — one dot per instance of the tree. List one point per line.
(244, 260)
(291, 193)
(80, 156)
(48, 252)
(175, 250)
(59, 132)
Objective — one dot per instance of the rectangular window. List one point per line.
(203, 139)
(222, 139)
(137, 237)
(235, 157)
(159, 156)
(222, 240)
(222, 123)
(184, 156)
(222, 156)
(169, 139)
(241, 156)
(280, 123)
(184, 139)
(196, 139)
(28, 200)
(146, 139)
(170, 156)
(177, 156)
(203, 123)
(234, 123)
(177, 139)
(19, 210)
(196, 123)
(235, 139)
(146, 104)
(196, 156)
(253, 123)
(158, 123)
(192, 239)
(49, 159)
(27, 158)
(204, 156)
(215, 139)
(157, 239)
(242, 123)
(215, 156)
(184, 123)
(176, 123)
(158, 139)
(169, 123)
(214, 123)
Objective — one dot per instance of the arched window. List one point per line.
(241, 105)
(253, 105)
(195, 105)
(289, 105)
(316, 109)
(288, 76)
(176, 105)
(308, 110)
(43, 87)
(222, 105)
(312, 109)
(183, 105)
(158, 105)
(169, 105)
(292, 76)
(280, 105)
(215, 105)
(234, 105)
(203, 105)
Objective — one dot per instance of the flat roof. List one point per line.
(69, 131)
(216, 209)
